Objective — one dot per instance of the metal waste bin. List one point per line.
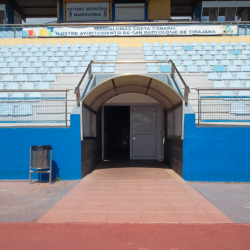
(40, 160)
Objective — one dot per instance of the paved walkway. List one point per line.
(134, 195)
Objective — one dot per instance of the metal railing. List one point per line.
(218, 108)
(33, 109)
(88, 72)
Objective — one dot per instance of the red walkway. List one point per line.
(134, 195)
(40, 236)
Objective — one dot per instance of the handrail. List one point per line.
(124, 23)
(214, 89)
(173, 69)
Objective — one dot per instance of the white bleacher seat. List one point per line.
(43, 71)
(177, 48)
(4, 50)
(231, 57)
(100, 58)
(202, 53)
(96, 70)
(24, 50)
(66, 59)
(218, 47)
(38, 54)
(50, 78)
(239, 47)
(43, 85)
(80, 53)
(103, 49)
(208, 47)
(35, 95)
(245, 68)
(6, 110)
(213, 76)
(69, 70)
(60, 64)
(243, 43)
(1, 59)
(53, 50)
(48, 45)
(10, 59)
(167, 48)
(11, 46)
(184, 44)
(114, 45)
(83, 49)
(109, 69)
(87, 45)
(85, 64)
(12, 85)
(35, 78)
(30, 71)
(233, 43)
(29, 46)
(81, 70)
(71, 53)
(245, 52)
(247, 62)
(188, 63)
(63, 49)
(206, 69)
(3, 65)
(8, 78)
(77, 59)
(77, 45)
(114, 49)
(43, 49)
(105, 45)
(156, 48)
(227, 76)
(152, 69)
(149, 58)
(59, 54)
(193, 69)
(111, 58)
(54, 59)
(146, 45)
(73, 64)
(24, 110)
(32, 59)
(20, 95)
(13, 50)
(28, 85)
(219, 84)
(227, 93)
(44, 59)
(232, 68)
(235, 84)
(33, 50)
(4, 71)
(207, 57)
(156, 44)
(3, 95)
(242, 57)
(204, 44)
(213, 43)
(56, 70)
(112, 53)
(161, 58)
(184, 57)
(91, 53)
(170, 53)
(173, 58)
(7, 54)
(97, 44)
(219, 57)
(148, 53)
(74, 49)
(165, 44)
(20, 46)
(223, 43)
(194, 44)
(247, 83)
(37, 64)
(50, 64)
(89, 58)
(213, 62)
(243, 93)
(17, 71)
(238, 62)
(57, 45)
(25, 64)
(201, 63)
(225, 62)
(191, 53)
(241, 76)
(13, 65)
(180, 69)
(179, 53)
(196, 57)
(21, 78)
(158, 53)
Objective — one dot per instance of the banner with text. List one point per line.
(153, 30)
(87, 11)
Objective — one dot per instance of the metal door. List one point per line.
(146, 141)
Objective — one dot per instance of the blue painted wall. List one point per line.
(15, 144)
(215, 154)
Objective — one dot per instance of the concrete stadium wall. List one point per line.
(126, 41)
(215, 154)
(15, 146)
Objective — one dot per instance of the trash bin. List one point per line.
(40, 160)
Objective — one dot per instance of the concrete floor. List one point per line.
(233, 199)
(24, 202)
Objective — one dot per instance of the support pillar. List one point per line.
(213, 14)
(230, 14)
(60, 11)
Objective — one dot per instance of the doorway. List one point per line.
(116, 132)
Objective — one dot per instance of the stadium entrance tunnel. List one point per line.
(131, 117)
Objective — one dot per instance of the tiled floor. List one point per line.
(134, 195)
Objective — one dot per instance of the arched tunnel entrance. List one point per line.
(130, 117)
